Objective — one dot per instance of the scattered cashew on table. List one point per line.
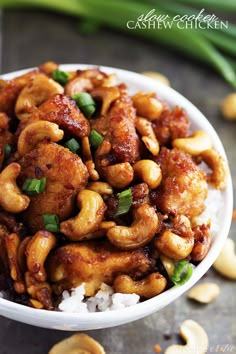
(78, 343)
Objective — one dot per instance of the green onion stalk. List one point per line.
(200, 44)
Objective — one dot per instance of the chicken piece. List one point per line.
(66, 175)
(9, 91)
(62, 110)
(93, 263)
(183, 188)
(86, 80)
(171, 125)
(118, 126)
(5, 136)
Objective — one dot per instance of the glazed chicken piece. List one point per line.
(5, 136)
(62, 110)
(94, 262)
(9, 91)
(66, 175)
(118, 126)
(171, 125)
(183, 189)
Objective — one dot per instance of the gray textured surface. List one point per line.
(30, 38)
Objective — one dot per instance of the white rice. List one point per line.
(104, 300)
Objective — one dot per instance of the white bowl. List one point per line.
(86, 321)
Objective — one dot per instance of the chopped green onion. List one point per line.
(60, 76)
(72, 145)
(51, 222)
(7, 151)
(125, 201)
(182, 273)
(85, 102)
(34, 186)
(95, 139)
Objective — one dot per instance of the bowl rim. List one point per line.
(154, 304)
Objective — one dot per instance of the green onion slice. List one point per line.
(34, 186)
(60, 76)
(86, 103)
(95, 139)
(72, 145)
(125, 201)
(7, 151)
(182, 273)
(51, 222)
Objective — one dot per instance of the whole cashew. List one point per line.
(37, 250)
(225, 264)
(36, 132)
(219, 167)
(195, 144)
(119, 175)
(145, 129)
(12, 243)
(36, 92)
(204, 293)
(100, 188)
(11, 198)
(148, 287)
(89, 218)
(107, 94)
(147, 105)
(141, 231)
(149, 171)
(196, 339)
(78, 344)
(173, 245)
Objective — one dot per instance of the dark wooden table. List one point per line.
(29, 38)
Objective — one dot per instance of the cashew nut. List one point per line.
(48, 67)
(11, 198)
(107, 94)
(147, 105)
(141, 231)
(148, 287)
(149, 171)
(157, 76)
(145, 129)
(100, 188)
(168, 264)
(219, 167)
(204, 293)
(36, 132)
(101, 232)
(89, 159)
(196, 339)
(173, 245)
(37, 251)
(77, 344)
(119, 175)
(89, 218)
(228, 107)
(12, 243)
(195, 144)
(225, 264)
(36, 92)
